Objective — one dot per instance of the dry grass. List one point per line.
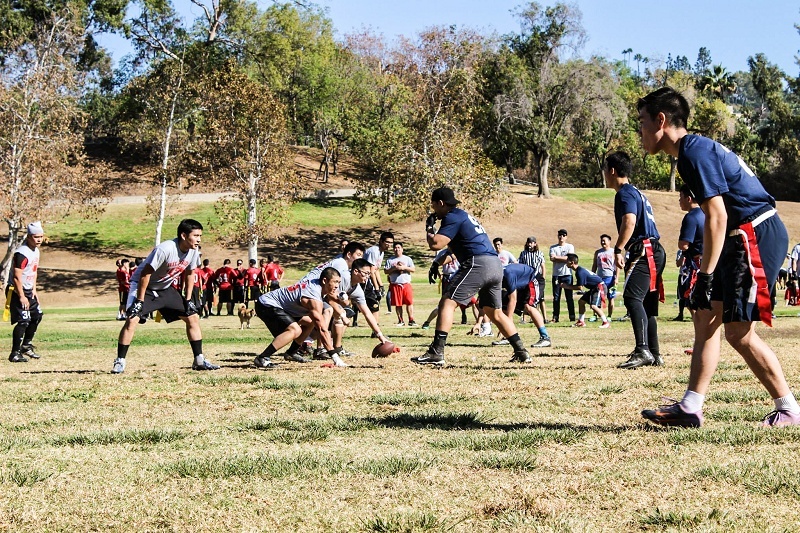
(481, 445)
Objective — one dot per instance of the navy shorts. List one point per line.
(732, 278)
(592, 297)
(482, 274)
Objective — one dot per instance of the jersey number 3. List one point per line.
(478, 228)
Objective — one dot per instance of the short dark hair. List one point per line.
(328, 273)
(352, 247)
(687, 192)
(668, 101)
(606, 236)
(361, 263)
(572, 258)
(252, 261)
(620, 162)
(226, 262)
(188, 225)
(269, 258)
(386, 235)
(206, 262)
(497, 239)
(398, 243)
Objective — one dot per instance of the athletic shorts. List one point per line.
(687, 276)
(197, 297)
(169, 301)
(276, 319)
(637, 279)
(238, 294)
(593, 296)
(732, 278)
(402, 294)
(482, 274)
(225, 295)
(123, 297)
(253, 293)
(607, 281)
(18, 314)
(274, 285)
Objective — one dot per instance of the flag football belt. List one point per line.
(759, 288)
(7, 310)
(656, 283)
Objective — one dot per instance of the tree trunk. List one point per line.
(252, 240)
(14, 240)
(544, 168)
(162, 205)
(673, 168)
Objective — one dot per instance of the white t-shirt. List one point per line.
(506, 258)
(169, 263)
(399, 278)
(561, 269)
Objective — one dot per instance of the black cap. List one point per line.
(562, 231)
(531, 239)
(445, 195)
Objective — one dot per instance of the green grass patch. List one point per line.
(667, 520)
(598, 196)
(125, 436)
(760, 477)
(60, 395)
(734, 436)
(739, 396)
(517, 462)
(413, 399)
(407, 523)
(432, 420)
(392, 466)
(519, 439)
(264, 466)
(23, 475)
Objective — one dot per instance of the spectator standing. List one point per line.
(562, 275)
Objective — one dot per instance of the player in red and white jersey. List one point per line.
(223, 279)
(123, 285)
(152, 290)
(208, 288)
(21, 293)
(252, 276)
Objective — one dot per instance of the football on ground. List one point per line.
(384, 349)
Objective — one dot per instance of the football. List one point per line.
(384, 349)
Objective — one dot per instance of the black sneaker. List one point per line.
(205, 364)
(657, 359)
(431, 357)
(296, 357)
(263, 362)
(28, 351)
(321, 354)
(17, 357)
(638, 357)
(521, 357)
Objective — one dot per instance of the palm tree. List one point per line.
(718, 82)
(626, 55)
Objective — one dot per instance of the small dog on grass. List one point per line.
(245, 315)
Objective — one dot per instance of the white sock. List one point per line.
(692, 402)
(199, 359)
(787, 403)
(581, 317)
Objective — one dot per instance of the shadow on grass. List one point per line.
(95, 282)
(98, 372)
(463, 421)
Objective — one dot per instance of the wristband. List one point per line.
(617, 251)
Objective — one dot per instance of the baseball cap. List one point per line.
(35, 228)
(531, 239)
(445, 195)
(562, 231)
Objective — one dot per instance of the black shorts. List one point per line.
(238, 294)
(275, 318)
(18, 314)
(169, 301)
(225, 295)
(687, 276)
(253, 293)
(482, 274)
(593, 297)
(637, 277)
(197, 296)
(123, 298)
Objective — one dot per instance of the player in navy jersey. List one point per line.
(520, 295)
(646, 259)
(21, 295)
(744, 242)
(480, 272)
(690, 248)
(594, 294)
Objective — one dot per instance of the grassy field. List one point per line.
(384, 446)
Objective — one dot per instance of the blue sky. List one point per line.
(732, 30)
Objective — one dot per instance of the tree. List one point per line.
(42, 166)
(703, 61)
(243, 147)
(718, 83)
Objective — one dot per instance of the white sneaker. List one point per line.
(501, 342)
(119, 366)
(486, 330)
(337, 361)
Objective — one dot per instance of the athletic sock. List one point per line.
(293, 348)
(197, 348)
(17, 335)
(692, 402)
(787, 403)
(516, 342)
(122, 350)
(543, 332)
(439, 340)
(581, 317)
(269, 352)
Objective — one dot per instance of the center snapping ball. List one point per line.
(384, 349)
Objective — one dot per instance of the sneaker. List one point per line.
(431, 357)
(579, 324)
(624, 318)
(205, 364)
(638, 357)
(605, 324)
(501, 342)
(321, 354)
(263, 362)
(486, 330)
(780, 418)
(593, 319)
(17, 357)
(411, 323)
(306, 349)
(521, 357)
(689, 351)
(346, 353)
(674, 415)
(296, 357)
(678, 318)
(657, 359)
(337, 361)
(28, 351)
(426, 325)
(119, 366)
(400, 325)
(543, 342)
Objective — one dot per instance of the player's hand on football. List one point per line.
(190, 307)
(430, 223)
(700, 298)
(433, 273)
(135, 309)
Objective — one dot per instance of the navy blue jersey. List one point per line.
(630, 200)
(586, 278)
(517, 276)
(710, 169)
(467, 236)
(692, 231)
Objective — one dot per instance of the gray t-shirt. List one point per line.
(339, 263)
(288, 298)
(399, 278)
(169, 263)
(561, 269)
(374, 255)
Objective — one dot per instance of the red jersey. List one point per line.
(223, 277)
(252, 274)
(209, 277)
(201, 277)
(273, 272)
(124, 280)
(241, 277)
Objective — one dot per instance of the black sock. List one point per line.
(197, 347)
(17, 335)
(639, 321)
(122, 350)
(439, 340)
(293, 348)
(652, 335)
(516, 342)
(269, 352)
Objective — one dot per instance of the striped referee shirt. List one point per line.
(535, 260)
